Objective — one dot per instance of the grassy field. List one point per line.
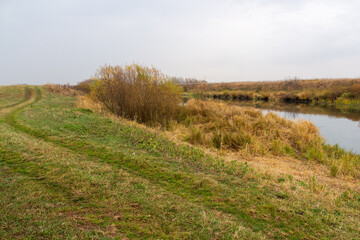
(68, 172)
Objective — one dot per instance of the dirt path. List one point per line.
(29, 96)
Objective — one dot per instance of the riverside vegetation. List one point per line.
(70, 169)
(144, 94)
(317, 91)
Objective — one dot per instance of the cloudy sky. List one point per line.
(65, 41)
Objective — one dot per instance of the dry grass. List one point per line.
(300, 171)
(246, 129)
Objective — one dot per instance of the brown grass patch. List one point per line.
(246, 130)
(63, 89)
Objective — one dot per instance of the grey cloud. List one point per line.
(66, 41)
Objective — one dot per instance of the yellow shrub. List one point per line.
(137, 92)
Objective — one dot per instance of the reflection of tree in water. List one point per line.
(288, 115)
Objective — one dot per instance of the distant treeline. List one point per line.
(185, 81)
(345, 91)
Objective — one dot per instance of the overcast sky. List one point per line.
(65, 41)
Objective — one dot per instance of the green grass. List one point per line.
(73, 173)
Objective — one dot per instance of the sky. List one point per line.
(66, 41)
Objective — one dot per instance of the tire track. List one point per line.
(27, 100)
(27, 94)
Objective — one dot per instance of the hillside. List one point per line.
(71, 172)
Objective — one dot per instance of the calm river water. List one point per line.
(337, 126)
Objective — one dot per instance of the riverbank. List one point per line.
(229, 128)
(248, 132)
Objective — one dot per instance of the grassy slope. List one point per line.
(68, 172)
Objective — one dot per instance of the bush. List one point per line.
(355, 90)
(84, 86)
(139, 93)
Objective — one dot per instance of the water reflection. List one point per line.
(332, 111)
(338, 126)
